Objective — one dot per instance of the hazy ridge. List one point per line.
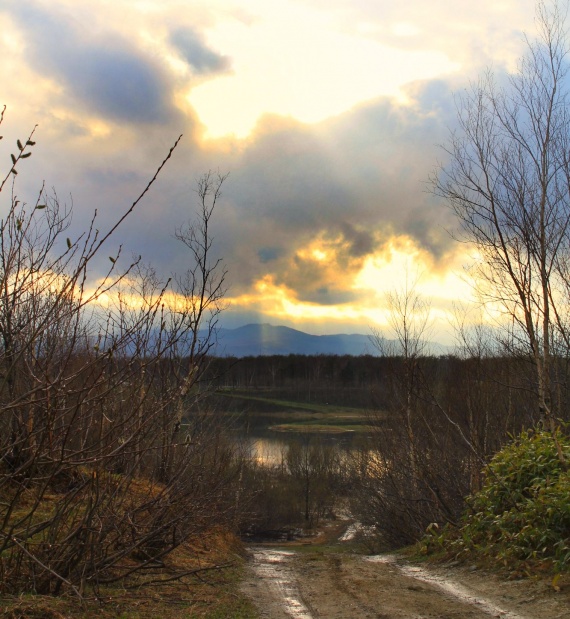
(266, 339)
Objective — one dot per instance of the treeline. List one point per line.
(344, 380)
(366, 381)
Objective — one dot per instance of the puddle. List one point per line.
(452, 588)
(350, 532)
(271, 566)
(354, 529)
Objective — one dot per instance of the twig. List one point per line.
(161, 581)
(45, 567)
(96, 248)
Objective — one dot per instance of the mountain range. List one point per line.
(265, 339)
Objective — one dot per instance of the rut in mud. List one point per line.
(278, 584)
(317, 583)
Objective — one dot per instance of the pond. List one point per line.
(267, 442)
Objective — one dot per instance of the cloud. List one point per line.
(105, 74)
(473, 34)
(306, 206)
(117, 84)
(197, 54)
(269, 254)
(361, 242)
(349, 183)
(343, 187)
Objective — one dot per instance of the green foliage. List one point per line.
(522, 513)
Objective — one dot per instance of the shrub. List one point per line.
(522, 513)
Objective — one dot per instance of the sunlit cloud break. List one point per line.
(327, 116)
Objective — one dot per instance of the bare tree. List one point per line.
(409, 318)
(315, 467)
(508, 181)
(429, 440)
(99, 475)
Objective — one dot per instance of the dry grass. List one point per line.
(200, 579)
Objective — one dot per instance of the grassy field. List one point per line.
(293, 405)
(303, 417)
(317, 428)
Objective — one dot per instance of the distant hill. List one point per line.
(265, 339)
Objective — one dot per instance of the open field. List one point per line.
(319, 428)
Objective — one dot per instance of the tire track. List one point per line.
(272, 568)
(448, 586)
(325, 583)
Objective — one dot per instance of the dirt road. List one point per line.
(317, 582)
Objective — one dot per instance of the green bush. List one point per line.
(522, 513)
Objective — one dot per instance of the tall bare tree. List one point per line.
(508, 181)
(409, 318)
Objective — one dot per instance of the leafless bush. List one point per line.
(306, 486)
(443, 418)
(104, 467)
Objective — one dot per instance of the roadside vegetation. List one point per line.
(520, 518)
(507, 181)
(213, 592)
(101, 483)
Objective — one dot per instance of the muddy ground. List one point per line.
(322, 580)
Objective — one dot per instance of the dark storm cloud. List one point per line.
(361, 242)
(352, 182)
(346, 185)
(117, 84)
(269, 254)
(197, 54)
(105, 74)
(329, 296)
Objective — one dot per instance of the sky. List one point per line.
(328, 116)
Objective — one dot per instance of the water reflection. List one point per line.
(267, 451)
(269, 447)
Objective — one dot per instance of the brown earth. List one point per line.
(326, 581)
